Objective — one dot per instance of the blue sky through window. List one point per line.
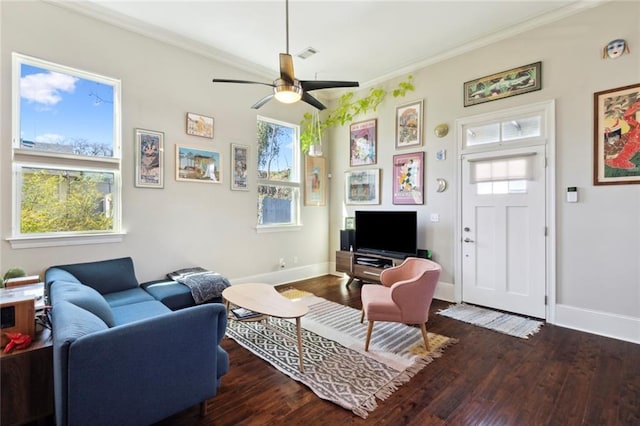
(64, 109)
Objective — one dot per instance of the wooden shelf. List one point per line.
(363, 266)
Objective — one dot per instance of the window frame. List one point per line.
(28, 158)
(295, 183)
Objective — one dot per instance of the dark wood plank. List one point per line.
(556, 377)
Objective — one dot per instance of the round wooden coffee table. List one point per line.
(265, 300)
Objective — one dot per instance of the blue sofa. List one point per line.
(120, 356)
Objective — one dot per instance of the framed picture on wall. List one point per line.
(362, 144)
(616, 148)
(515, 81)
(198, 165)
(239, 154)
(362, 187)
(199, 125)
(409, 125)
(315, 183)
(149, 168)
(408, 178)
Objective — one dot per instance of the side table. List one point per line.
(27, 382)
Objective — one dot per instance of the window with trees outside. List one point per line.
(66, 153)
(278, 174)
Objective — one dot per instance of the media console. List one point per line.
(363, 266)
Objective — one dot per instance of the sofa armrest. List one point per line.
(142, 372)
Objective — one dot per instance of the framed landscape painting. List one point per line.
(409, 125)
(362, 144)
(408, 178)
(362, 187)
(616, 149)
(516, 81)
(198, 165)
(149, 146)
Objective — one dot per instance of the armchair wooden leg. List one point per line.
(204, 409)
(369, 330)
(423, 328)
(362, 316)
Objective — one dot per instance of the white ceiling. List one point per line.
(365, 41)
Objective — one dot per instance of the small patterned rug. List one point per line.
(513, 325)
(336, 368)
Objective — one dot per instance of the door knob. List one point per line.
(468, 240)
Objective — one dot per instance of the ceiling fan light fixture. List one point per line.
(288, 94)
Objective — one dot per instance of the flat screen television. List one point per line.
(387, 233)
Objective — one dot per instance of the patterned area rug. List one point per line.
(502, 322)
(336, 368)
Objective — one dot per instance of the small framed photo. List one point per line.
(149, 146)
(198, 165)
(516, 81)
(199, 125)
(409, 125)
(408, 178)
(616, 151)
(363, 143)
(315, 185)
(239, 154)
(362, 187)
(350, 222)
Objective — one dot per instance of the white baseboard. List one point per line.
(445, 291)
(601, 323)
(286, 275)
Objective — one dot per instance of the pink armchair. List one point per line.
(405, 295)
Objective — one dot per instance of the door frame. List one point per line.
(547, 110)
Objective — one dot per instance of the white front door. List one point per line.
(503, 234)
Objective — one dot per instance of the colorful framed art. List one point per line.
(408, 178)
(315, 183)
(504, 84)
(199, 125)
(363, 143)
(362, 187)
(198, 165)
(149, 168)
(616, 140)
(409, 125)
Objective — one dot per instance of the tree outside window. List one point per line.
(278, 173)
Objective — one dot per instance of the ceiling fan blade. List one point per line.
(308, 85)
(312, 101)
(286, 68)
(225, 80)
(262, 101)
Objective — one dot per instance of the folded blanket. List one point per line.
(204, 285)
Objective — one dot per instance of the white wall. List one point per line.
(185, 223)
(598, 239)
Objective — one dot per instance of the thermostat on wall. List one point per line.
(572, 194)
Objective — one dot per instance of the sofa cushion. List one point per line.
(171, 293)
(138, 311)
(128, 297)
(106, 276)
(84, 297)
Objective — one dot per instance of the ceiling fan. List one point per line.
(288, 89)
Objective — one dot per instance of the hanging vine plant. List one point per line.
(346, 111)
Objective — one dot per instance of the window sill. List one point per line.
(260, 229)
(64, 240)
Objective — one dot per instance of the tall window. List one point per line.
(66, 151)
(278, 173)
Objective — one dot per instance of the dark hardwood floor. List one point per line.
(556, 377)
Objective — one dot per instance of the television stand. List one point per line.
(364, 266)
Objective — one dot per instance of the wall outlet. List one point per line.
(282, 263)
(435, 217)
